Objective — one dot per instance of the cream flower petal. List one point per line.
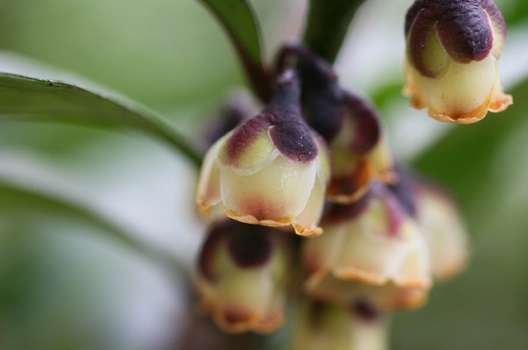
(273, 196)
(325, 326)
(208, 193)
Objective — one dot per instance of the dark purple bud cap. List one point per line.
(366, 122)
(250, 249)
(289, 132)
(462, 27)
(326, 105)
(283, 121)
(247, 245)
(322, 97)
(465, 31)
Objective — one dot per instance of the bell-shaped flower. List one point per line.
(437, 215)
(372, 242)
(271, 170)
(243, 274)
(451, 63)
(325, 326)
(439, 219)
(349, 125)
(360, 153)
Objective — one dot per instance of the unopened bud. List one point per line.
(451, 65)
(272, 170)
(243, 275)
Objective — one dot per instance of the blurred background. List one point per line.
(66, 282)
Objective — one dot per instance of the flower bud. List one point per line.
(372, 242)
(360, 153)
(350, 126)
(325, 326)
(438, 217)
(243, 275)
(271, 170)
(452, 56)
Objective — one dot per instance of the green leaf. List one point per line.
(238, 19)
(34, 200)
(32, 99)
(327, 26)
(514, 11)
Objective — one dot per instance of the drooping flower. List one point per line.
(243, 273)
(452, 56)
(349, 125)
(325, 326)
(440, 220)
(271, 170)
(360, 153)
(372, 250)
(437, 215)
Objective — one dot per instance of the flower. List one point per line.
(438, 217)
(325, 326)
(360, 152)
(451, 63)
(243, 275)
(271, 170)
(348, 123)
(371, 249)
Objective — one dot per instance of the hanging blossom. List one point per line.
(451, 65)
(316, 158)
(349, 124)
(319, 325)
(437, 216)
(243, 273)
(271, 170)
(372, 250)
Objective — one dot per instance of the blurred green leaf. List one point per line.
(238, 19)
(25, 98)
(464, 159)
(514, 11)
(328, 22)
(34, 201)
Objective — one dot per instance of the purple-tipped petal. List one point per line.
(465, 31)
(451, 64)
(268, 170)
(243, 273)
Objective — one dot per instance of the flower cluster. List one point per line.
(370, 236)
